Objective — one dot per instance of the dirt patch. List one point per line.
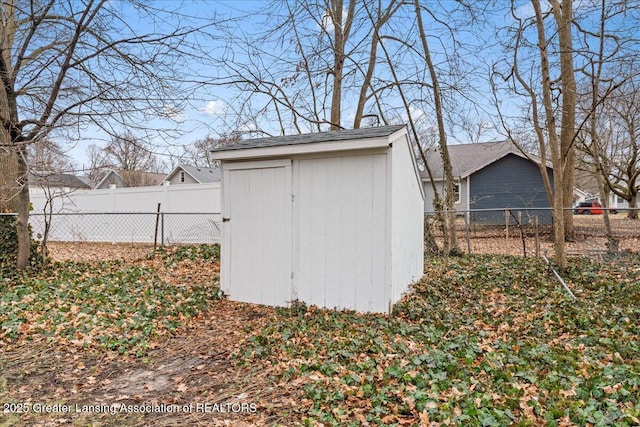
(190, 379)
(195, 372)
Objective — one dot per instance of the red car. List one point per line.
(588, 208)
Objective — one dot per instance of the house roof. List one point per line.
(311, 138)
(56, 180)
(149, 178)
(201, 175)
(106, 176)
(467, 159)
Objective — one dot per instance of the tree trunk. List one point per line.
(558, 226)
(612, 244)
(22, 224)
(451, 241)
(633, 206)
(341, 34)
(8, 176)
(563, 15)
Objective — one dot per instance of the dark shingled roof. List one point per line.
(311, 138)
(44, 179)
(468, 158)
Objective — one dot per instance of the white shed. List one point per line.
(333, 219)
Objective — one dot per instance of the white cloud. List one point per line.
(417, 114)
(214, 108)
(327, 22)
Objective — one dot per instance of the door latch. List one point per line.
(226, 219)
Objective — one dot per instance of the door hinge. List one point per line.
(293, 198)
(226, 219)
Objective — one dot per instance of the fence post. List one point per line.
(466, 229)
(155, 235)
(506, 224)
(535, 225)
(162, 229)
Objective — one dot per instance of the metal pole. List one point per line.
(155, 234)
(557, 275)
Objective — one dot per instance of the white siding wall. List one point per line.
(407, 220)
(188, 179)
(340, 222)
(428, 195)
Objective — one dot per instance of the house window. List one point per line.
(181, 176)
(456, 191)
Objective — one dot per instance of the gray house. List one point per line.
(186, 174)
(492, 175)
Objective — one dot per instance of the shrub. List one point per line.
(9, 245)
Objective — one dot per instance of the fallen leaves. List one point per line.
(480, 341)
(112, 304)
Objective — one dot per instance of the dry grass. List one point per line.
(590, 237)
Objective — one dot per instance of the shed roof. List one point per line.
(311, 138)
(466, 159)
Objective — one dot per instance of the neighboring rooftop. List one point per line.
(201, 175)
(311, 138)
(47, 179)
(469, 158)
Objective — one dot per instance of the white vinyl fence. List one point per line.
(173, 198)
(185, 213)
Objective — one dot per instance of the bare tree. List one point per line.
(51, 172)
(340, 59)
(613, 145)
(67, 64)
(550, 89)
(199, 153)
(131, 157)
(567, 59)
(48, 157)
(451, 242)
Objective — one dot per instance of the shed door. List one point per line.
(340, 215)
(257, 221)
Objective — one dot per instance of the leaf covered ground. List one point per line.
(479, 341)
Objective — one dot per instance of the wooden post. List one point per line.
(524, 244)
(155, 236)
(506, 225)
(535, 225)
(466, 229)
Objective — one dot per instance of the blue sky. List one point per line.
(206, 112)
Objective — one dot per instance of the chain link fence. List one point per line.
(522, 232)
(529, 232)
(162, 228)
